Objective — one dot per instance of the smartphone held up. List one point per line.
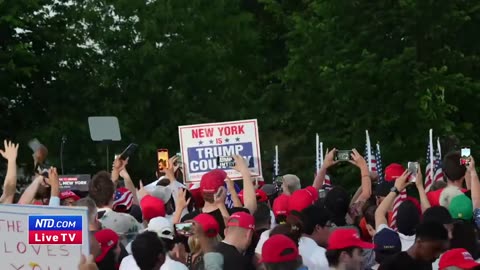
(184, 229)
(343, 155)
(465, 156)
(412, 168)
(162, 159)
(225, 162)
(129, 151)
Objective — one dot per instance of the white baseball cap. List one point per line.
(162, 227)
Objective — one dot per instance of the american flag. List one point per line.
(276, 166)
(379, 167)
(327, 183)
(396, 203)
(433, 170)
(370, 153)
(438, 163)
(123, 197)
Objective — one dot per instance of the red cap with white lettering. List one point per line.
(107, 239)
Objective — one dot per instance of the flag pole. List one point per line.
(369, 151)
(317, 154)
(439, 147)
(321, 155)
(431, 152)
(276, 160)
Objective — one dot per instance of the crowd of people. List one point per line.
(169, 226)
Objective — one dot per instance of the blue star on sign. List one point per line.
(211, 141)
(227, 140)
(200, 142)
(237, 139)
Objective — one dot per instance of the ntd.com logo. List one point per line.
(55, 229)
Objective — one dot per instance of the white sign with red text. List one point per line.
(17, 254)
(202, 144)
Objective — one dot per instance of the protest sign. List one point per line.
(16, 236)
(74, 182)
(202, 144)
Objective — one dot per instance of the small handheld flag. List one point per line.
(429, 169)
(369, 154)
(319, 161)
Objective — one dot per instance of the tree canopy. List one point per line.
(300, 67)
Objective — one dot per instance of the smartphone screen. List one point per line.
(343, 155)
(184, 228)
(225, 162)
(412, 169)
(465, 155)
(162, 159)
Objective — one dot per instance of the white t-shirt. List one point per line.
(435, 264)
(263, 237)
(406, 240)
(129, 263)
(312, 254)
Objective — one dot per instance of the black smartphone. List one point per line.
(343, 155)
(184, 229)
(225, 162)
(129, 151)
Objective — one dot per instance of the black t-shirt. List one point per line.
(402, 261)
(232, 259)
(216, 214)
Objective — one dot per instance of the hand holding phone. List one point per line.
(220, 196)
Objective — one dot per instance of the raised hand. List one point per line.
(141, 191)
(181, 202)
(53, 177)
(358, 159)
(119, 164)
(171, 168)
(10, 152)
(402, 182)
(240, 163)
(329, 160)
(124, 174)
(471, 164)
(220, 196)
(419, 178)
